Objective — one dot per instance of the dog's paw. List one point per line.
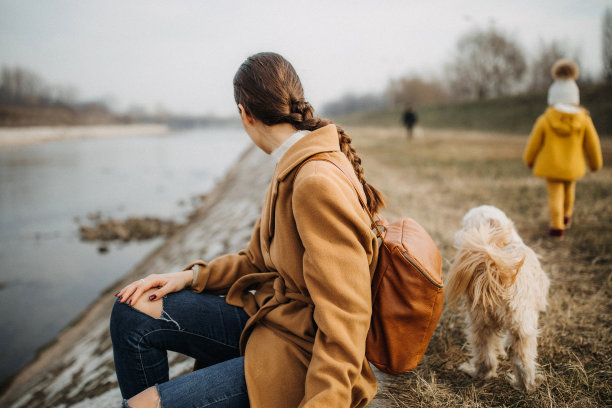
(527, 386)
(513, 380)
(468, 369)
(478, 371)
(490, 374)
(539, 379)
(530, 387)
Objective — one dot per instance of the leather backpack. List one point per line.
(407, 292)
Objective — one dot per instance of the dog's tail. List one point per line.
(484, 267)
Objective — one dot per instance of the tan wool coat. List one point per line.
(310, 262)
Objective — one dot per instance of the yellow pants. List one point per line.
(561, 196)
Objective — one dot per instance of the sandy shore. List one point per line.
(39, 134)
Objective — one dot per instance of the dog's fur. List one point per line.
(505, 288)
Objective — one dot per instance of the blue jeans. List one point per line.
(198, 325)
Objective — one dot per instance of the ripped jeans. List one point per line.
(198, 325)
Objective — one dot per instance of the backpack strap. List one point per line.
(379, 228)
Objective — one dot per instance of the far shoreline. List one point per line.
(19, 136)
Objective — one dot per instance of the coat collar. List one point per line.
(321, 140)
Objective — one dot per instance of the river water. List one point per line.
(47, 275)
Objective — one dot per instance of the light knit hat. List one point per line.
(564, 89)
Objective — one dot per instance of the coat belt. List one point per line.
(240, 295)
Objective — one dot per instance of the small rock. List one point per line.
(126, 230)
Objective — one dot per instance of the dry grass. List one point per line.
(436, 180)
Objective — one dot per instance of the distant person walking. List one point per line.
(558, 144)
(410, 119)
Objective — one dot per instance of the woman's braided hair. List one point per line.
(269, 89)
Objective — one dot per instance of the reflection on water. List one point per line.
(47, 276)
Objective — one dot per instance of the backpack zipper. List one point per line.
(421, 270)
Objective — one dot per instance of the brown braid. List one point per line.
(302, 118)
(268, 87)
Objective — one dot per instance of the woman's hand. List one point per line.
(165, 282)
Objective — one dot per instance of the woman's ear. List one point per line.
(246, 118)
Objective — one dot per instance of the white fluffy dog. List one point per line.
(505, 288)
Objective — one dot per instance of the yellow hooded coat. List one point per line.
(559, 143)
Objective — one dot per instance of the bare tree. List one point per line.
(417, 91)
(350, 103)
(20, 86)
(607, 43)
(64, 95)
(487, 64)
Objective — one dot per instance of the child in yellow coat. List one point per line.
(559, 142)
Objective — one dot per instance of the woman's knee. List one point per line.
(148, 398)
(120, 319)
(152, 308)
(123, 316)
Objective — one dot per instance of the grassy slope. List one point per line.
(511, 114)
(436, 180)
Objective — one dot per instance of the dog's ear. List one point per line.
(510, 260)
(500, 232)
(466, 265)
(516, 272)
(516, 256)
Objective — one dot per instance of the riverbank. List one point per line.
(49, 190)
(11, 136)
(434, 180)
(76, 370)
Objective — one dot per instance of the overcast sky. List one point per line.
(183, 54)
